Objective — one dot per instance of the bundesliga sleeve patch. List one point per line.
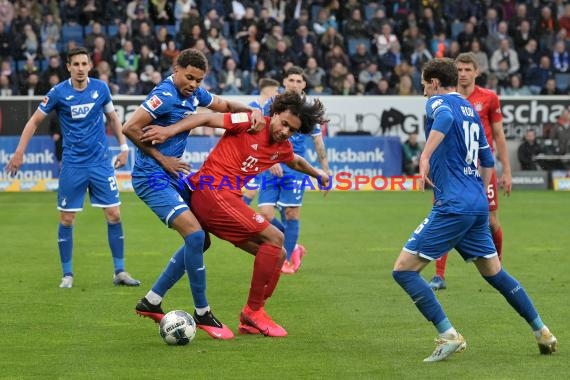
(154, 102)
(45, 101)
(238, 118)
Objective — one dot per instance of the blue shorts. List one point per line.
(167, 197)
(286, 191)
(440, 233)
(99, 180)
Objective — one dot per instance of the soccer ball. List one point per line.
(177, 328)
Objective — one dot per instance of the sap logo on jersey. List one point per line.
(81, 110)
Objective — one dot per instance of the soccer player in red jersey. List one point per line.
(488, 106)
(216, 189)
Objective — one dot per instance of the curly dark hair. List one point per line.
(194, 58)
(442, 69)
(310, 113)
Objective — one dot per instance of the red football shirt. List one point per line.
(239, 155)
(487, 105)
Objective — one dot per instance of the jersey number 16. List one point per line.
(471, 135)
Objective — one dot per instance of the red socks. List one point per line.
(498, 240)
(263, 279)
(440, 266)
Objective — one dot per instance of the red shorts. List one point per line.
(493, 192)
(225, 214)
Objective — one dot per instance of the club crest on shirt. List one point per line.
(94, 94)
(154, 102)
(478, 106)
(274, 156)
(258, 218)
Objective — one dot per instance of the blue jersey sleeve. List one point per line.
(106, 94)
(159, 103)
(49, 101)
(205, 98)
(439, 110)
(317, 130)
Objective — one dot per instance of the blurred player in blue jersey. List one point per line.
(455, 144)
(157, 182)
(81, 104)
(288, 194)
(268, 88)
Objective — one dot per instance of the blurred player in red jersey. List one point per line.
(488, 106)
(216, 189)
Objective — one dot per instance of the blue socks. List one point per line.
(277, 223)
(117, 245)
(194, 265)
(291, 236)
(65, 244)
(171, 274)
(188, 258)
(516, 296)
(423, 297)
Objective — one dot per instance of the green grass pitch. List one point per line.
(346, 317)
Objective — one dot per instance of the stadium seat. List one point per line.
(370, 10)
(354, 42)
(562, 81)
(71, 32)
(456, 28)
(112, 30)
(315, 9)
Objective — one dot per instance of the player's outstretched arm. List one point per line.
(29, 130)
(321, 152)
(301, 165)
(133, 129)
(116, 127)
(223, 105)
(158, 135)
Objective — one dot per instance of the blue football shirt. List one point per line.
(453, 165)
(167, 106)
(82, 119)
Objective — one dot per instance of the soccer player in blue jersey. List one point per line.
(157, 182)
(282, 187)
(268, 88)
(455, 146)
(82, 103)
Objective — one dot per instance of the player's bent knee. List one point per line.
(292, 213)
(112, 214)
(67, 218)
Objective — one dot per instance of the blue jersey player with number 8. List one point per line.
(82, 103)
(457, 162)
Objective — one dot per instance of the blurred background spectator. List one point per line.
(528, 149)
(520, 45)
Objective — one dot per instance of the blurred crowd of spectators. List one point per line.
(349, 47)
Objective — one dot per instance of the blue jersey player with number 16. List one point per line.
(81, 104)
(460, 216)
